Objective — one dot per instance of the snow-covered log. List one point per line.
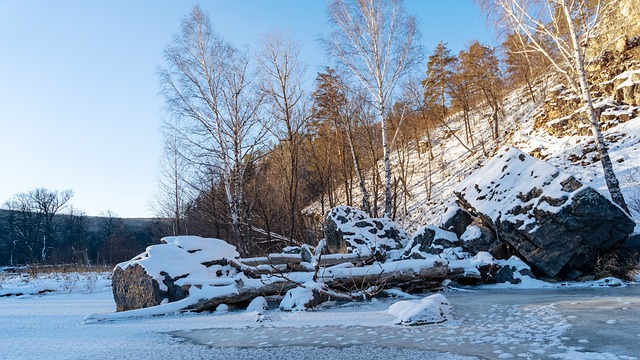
(201, 274)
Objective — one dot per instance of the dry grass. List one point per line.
(38, 269)
(612, 265)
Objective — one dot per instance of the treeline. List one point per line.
(39, 227)
(249, 148)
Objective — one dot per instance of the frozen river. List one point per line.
(601, 323)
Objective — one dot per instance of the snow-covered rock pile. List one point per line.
(349, 230)
(541, 214)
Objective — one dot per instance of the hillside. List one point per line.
(552, 130)
(573, 153)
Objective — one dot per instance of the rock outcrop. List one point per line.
(349, 230)
(544, 216)
(429, 239)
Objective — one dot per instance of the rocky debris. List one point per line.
(349, 230)
(544, 216)
(563, 113)
(431, 240)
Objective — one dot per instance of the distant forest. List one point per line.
(39, 227)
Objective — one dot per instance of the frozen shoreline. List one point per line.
(573, 323)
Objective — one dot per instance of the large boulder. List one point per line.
(547, 217)
(336, 217)
(167, 271)
(349, 230)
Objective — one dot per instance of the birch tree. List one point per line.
(378, 43)
(207, 86)
(567, 25)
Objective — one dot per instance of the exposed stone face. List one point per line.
(546, 217)
(348, 229)
(429, 239)
(339, 215)
(456, 220)
(479, 237)
(133, 288)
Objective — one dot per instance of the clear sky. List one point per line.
(79, 103)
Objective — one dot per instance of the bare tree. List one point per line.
(281, 77)
(34, 221)
(174, 192)
(207, 84)
(567, 25)
(379, 44)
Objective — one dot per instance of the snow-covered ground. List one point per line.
(571, 321)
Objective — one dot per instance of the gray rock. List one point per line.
(456, 220)
(545, 217)
(334, 242)
(429, 239)
(348, 229)
(133, 288)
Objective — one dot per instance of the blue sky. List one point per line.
(79, 103)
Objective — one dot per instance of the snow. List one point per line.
(296, 298)
(498, 199)
(563, 322)
(471, 233)
(430, 310)
(182, 255)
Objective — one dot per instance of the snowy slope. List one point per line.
(452, 163)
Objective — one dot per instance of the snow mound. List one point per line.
(430, 310)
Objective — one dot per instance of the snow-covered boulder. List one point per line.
(456, 220)
(545, 216)
(167, 271)
(337, 216)
(429, 239)
(349, 230)
(430, 310)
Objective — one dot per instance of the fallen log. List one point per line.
(400, 274)
(201, 274)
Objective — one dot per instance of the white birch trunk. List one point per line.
(609, 175)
